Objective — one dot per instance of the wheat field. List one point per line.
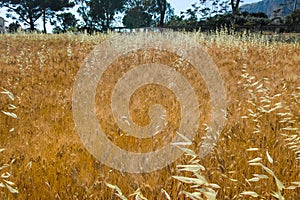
(257, 155)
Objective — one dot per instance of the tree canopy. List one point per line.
(100, 15)
(65, 22)
(29, 11)
(137, 17)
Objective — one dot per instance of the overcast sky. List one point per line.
(178, 5)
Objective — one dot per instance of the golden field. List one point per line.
(257, 155)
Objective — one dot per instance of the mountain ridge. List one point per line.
(269, 6)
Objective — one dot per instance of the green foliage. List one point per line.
(98, 15)
(254, 19)
(293, 20)
(136, 17)
(241, 19)
(30, 11)
(49, 7)
(209, 8)
(13, 27)
(181, 22)
(177, 21)
(67, 22)
(157, 8)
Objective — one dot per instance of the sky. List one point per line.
(178, 5)
(182, 5)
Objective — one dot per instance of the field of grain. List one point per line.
(257, 155)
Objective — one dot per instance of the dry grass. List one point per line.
(50, 162)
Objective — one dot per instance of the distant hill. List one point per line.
(269, 6)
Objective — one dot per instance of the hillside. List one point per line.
(269, 6)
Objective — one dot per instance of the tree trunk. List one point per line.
(162, 9)
(90, 30)
(235, 10)
(235, 6)
(107, 22)
(44, 21)
(31, 22)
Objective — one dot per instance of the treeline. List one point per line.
(100, 15)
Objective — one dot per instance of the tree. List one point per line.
(28, 11)
(67, 22)
(13, 27)
(49, 7)
(99, 14)
(87, 24)
(136, 17)
(221, 7)
(235, 6)
(177, 21)
(210, 8)
(162, 7)
(191, 13)
(293, 19)
(161, 10)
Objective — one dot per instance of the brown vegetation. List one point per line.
(262, 81)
